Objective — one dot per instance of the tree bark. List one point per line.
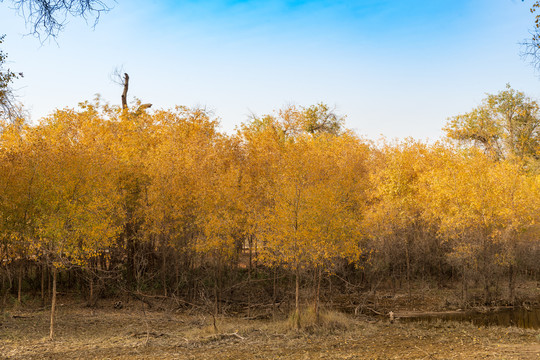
(124, 93)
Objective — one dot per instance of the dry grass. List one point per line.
(127, 334)
(328, 321)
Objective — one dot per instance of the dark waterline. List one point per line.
(519, 317)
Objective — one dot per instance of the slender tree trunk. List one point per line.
(408, 269)
(176, 273)
(484, 269)
(250, 242)
(274, 294)
(3, 294)
(91, 286)
(216, 307)
(53, 303)
(487, 292)
(164, 270)
(130, 245)
(19, 282)
(297, 298)
(393, 278)
(9, 287)
(464, 287)
(43, 277)
(440, 282)
(511, 284)
(318, 294)
(191, 279)
(220, 281)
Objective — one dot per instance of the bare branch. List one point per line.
(531, 46)
(9, 108)
(117, 75)
(120, 77)
(531, 49)
(48, 17)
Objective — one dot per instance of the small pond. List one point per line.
(520, 317)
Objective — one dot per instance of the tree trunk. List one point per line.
(440, 277)
(176, 274)
(124, 93)
(164, 270)
(297, 299)
(511, 284)
(43, 277)
(249, 280)
(49, 289)
(274, 294)
(9, 287)
(2, 293)
(318, 294)
(487, 292)
(216, 307)
(130, 248)
(91, 295)
(53, 303)
(19, 282)
(464, 287)
(408, 269)
(393, 278)
(191, 280)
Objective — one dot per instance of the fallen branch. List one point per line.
(141, 297)
(367, 308)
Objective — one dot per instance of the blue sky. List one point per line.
(396, 68)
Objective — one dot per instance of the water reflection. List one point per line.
(520, 317)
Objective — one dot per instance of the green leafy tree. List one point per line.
(505, 125)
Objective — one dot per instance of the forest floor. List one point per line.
(131, 333)
(164, 332)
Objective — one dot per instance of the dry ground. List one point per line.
(107, 333)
